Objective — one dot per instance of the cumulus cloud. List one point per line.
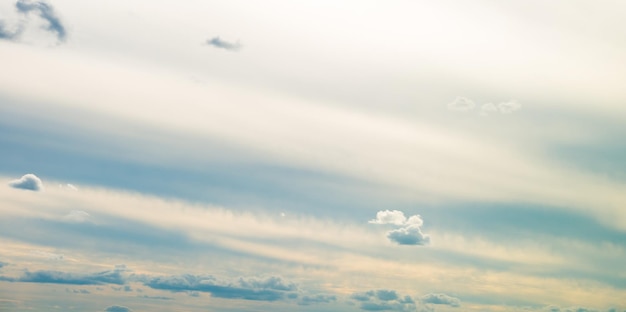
(117, 308)
(409, 230)
(222, 44)
(461, 104)
(27, 182)
(47, 13)
(383, 299)
(389, 217)
(441, 299)
(270, 289)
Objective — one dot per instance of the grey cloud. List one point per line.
(409, 235)
(222, 44)
(56, 277)
(27, 182)
(441, 299)
(383, 300)
(309, 300)
(272, 282)
(116, 308)
(271, 289)
(156, 297)
(78, 291)
(386, 295)
(46, 12)
(7, 34)
(409, 230)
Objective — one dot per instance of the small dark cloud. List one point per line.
(441, 299)
(116, 308)
(222, 44)
(47, 13)
(78, 291)
(270, 289)
(309, 300)
(27, 182)
(384, 300)
(3, 264)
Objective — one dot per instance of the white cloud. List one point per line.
(27, 182)
(488, 108)
(389, 217)
(409, 231)
(68, 186)
(77, 216)
(461, 104)
(509, 107)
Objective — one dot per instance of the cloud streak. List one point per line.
(271, 289)
(47, 13)
(442, 299)
(223, 44)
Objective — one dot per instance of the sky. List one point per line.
(312, 155)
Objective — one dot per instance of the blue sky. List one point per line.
(314, 156)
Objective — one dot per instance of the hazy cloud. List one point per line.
(77, 216)
(409, 231)
(509, 107)
(7, 34)
(441, 299)
(46, 12)
(309, 300)
(47, 255)
(461, 104)
(116, 308)
(222, 44)
(270, 289)
(27, 182)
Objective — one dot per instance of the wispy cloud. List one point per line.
(271, 289)
(317, 299)
(27, 182)
(7, 34)
(223, 44)
(47, 13)
(441, 299)
(409, 231)
(57, 277)
(461, 104)
(383, 299)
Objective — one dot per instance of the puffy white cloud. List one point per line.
(409, 231)
(28, 182)
(389, 217)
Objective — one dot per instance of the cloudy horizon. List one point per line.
(314, 156)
